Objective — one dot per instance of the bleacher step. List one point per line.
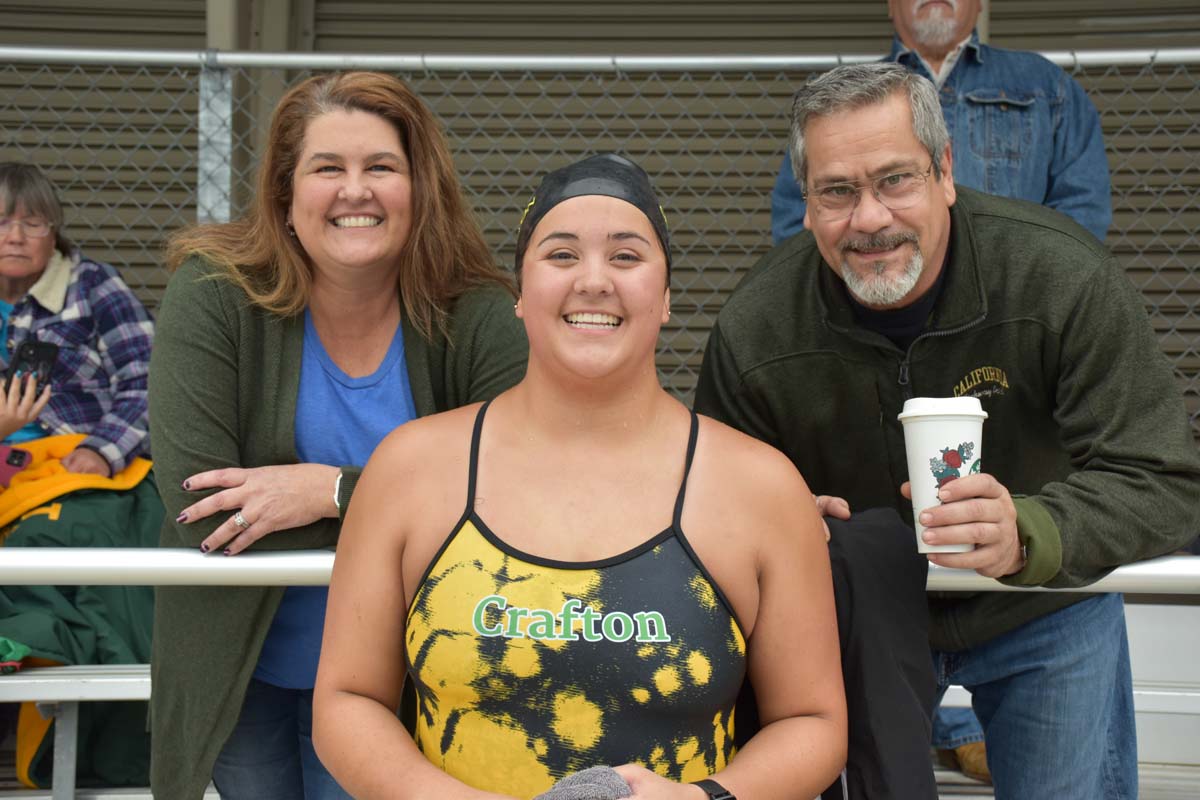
(1155, 782)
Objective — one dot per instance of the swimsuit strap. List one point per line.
(687, 468)
(473, 469)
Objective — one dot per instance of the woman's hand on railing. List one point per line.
(263, 500)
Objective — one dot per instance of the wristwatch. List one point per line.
(714, 790)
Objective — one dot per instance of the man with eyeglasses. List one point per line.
(907, 285)
(1021, 126)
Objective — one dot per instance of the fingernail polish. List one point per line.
(182, 517)
(187, 486)
(227, 552)
(204, 548)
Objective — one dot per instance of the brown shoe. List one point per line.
(970, 759)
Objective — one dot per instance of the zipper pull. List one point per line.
(903, 379)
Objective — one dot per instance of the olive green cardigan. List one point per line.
(224, 377)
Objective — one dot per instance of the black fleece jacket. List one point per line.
(1086, 424)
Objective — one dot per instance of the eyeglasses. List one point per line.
(897, 191)
(34, 227)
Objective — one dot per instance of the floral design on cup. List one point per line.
(948, 467)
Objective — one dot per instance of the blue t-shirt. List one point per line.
(31, 430)
(339, 420)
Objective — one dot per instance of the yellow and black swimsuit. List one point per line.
(528, 669)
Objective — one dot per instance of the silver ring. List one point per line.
(240, 521)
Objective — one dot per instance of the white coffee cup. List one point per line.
(943, 439)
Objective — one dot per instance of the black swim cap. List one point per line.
(609, 175)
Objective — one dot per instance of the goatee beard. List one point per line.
(875, 288)
(937, 30)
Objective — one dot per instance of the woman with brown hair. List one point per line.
(358, 294)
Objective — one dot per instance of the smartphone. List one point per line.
(12, 461)
(32, 357)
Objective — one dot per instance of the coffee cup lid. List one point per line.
(924, 406)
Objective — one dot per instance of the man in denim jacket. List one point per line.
(1019, 125)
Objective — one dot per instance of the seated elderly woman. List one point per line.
(581, 572)
(93, 337)
(51, 293)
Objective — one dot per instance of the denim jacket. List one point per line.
(1019, 126)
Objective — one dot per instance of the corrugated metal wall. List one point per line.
(1094, 24)
(723, 26)
(602, 26)
(103, 23)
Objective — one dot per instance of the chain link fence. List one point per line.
(142, 143)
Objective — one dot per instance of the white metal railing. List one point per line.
(60, 690)
(216, 59)
(67, 566)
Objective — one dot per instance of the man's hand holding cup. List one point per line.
(975, 510)
(960, 513)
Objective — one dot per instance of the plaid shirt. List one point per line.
(98, 385)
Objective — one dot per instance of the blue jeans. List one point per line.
(954, 727)
(270, 755)
(1055, 697)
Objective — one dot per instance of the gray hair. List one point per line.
(25, 186)
(854, 86)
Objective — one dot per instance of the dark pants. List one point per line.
(883, 623)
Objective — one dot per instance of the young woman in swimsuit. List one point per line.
(582, 571)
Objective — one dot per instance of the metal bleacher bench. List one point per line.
(59, 690)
